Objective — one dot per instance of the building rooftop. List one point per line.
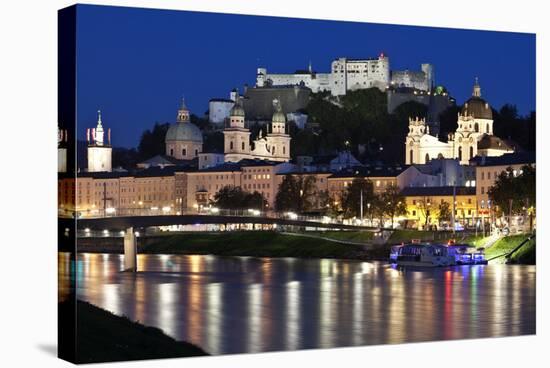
(221, 100)
(236, 166)
(370, 171)
(516, 158)
(152, 171)
(164, 160)
(494, 142)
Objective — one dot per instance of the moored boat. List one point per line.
(423, 255)
(436, 255)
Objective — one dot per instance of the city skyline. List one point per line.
(142, 82)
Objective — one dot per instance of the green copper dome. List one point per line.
(184, 131)
(237, 110)
(278, 116)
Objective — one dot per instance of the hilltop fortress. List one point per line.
(351, 74)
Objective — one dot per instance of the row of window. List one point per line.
(495, 174)
(377, 183)
(183, 152)
(415, 202)
(257, 177)
(413, 212)
(256, 186)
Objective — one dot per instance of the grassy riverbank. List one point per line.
(260, 244)
(525, 255)
(351, 236)
(104, 337)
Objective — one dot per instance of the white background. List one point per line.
(28, 132)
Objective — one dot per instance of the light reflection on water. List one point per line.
(244, 304)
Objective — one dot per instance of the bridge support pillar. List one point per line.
(130, 250)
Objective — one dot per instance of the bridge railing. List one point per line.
(204, 211)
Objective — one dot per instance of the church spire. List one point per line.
(183, 112)
(183, 106)
(99, 133)
(477, 89)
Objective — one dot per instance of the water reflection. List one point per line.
(245, 304)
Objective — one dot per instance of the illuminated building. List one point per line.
(99, 149)
(473, 137)
(423, 205)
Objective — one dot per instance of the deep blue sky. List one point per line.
(135, 64)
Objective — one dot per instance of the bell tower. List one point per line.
(183, 113)
(278, 141)
(236, 136)
(417, 129)
(99, 150)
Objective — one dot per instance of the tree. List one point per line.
(427, 208)
(296, 193)
(232, 197)
(256, 200)
(448, 121)
(125, 157)
(393, 203)
(202, 123)
(327, 203)
(351, 199)
(378, 209)
(370, 104)
(518, 190)
(152, 141)
(444, 210)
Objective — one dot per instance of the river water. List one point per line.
(244, 304)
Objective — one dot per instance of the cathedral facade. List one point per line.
(184, 139)
(275, 146)
(473, 137)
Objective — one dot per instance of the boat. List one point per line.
(436, 255)
(466, 254)
(423, 255)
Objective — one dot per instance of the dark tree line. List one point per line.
(235, 198)
(297, 193)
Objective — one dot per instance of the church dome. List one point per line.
(278, 116)
(184, 132)
(477, 107)
(237, 110)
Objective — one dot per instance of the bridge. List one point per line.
(126, 223)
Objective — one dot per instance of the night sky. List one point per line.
(135, 64)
